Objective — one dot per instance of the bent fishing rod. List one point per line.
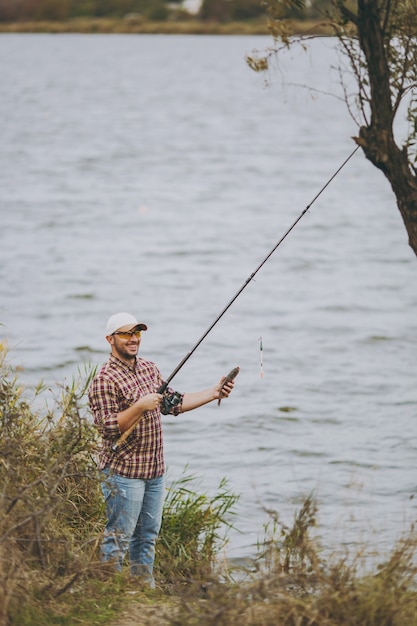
(170, 400)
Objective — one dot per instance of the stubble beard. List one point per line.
(125, 354)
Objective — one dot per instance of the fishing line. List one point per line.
(252, 276)
(261, 357)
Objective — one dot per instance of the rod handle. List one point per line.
(126, 434)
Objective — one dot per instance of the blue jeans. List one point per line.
(134, 515)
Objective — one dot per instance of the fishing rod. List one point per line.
(252, 276)
(170, 400)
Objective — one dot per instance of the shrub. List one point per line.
(50, 506)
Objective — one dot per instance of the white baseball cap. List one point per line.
(123, 319)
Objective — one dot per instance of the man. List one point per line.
(123, 392)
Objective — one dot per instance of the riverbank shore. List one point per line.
(135, 25)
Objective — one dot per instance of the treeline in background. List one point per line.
(154, 10)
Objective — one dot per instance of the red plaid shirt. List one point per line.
(115, 388)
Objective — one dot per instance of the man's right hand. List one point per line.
(150, 402)
(132, 415)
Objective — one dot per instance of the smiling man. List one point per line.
(125, 391)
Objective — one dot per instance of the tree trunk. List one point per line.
(377, 139)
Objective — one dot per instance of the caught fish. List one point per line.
(227, 379)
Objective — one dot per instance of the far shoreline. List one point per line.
(138, 26)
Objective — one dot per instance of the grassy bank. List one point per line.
(52, 519)
(138, 26)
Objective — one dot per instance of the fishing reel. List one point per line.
(170, 401)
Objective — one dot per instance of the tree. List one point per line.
(379, 40)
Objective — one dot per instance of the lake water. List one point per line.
(153, 174)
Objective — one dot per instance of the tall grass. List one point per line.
(292, 584)
(194, 530)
